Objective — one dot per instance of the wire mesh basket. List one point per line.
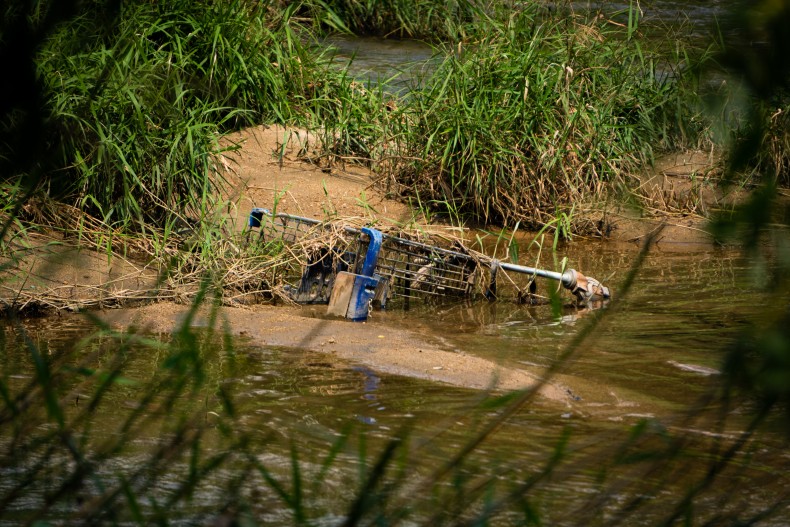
(406, 269)
(409, 269)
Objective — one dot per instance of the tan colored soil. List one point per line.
(267, 170)
(395, 350)
(677, 194)
(53, 271)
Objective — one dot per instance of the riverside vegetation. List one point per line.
(532, 115)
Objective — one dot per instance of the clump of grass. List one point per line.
(775, 158)
(540, 112)
(352, 120)
(756, 66)
(138, 105)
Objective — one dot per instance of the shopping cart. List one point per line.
(400, 269)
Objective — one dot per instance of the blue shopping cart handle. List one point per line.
(372, 254)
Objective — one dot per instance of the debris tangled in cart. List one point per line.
(354, 270)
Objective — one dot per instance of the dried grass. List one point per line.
(242, 267)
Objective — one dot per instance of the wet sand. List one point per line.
(395, 350)
(378, 346)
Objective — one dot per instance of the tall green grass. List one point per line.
(531, 112)
(66, 471)
(138, 106)
(753, 104)
(423, 19)
(537, 113)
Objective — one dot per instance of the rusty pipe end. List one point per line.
(585, 288)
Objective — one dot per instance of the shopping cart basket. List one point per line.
(403, 269)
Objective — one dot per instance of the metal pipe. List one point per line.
(565, 278)
(584, 287)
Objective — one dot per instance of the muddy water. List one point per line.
(686, 305)
(702, 14)
(397, 63)
(654, 356)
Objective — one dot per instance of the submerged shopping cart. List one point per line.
(354, 269)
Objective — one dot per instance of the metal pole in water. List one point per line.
(584, 287)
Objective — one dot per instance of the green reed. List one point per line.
(138, 105)
(124, 428)
(50, 421)
(530, 111)
(537, 113)
(423, 19)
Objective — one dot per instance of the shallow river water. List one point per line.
(652, 359)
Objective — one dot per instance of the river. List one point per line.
(650, 365)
